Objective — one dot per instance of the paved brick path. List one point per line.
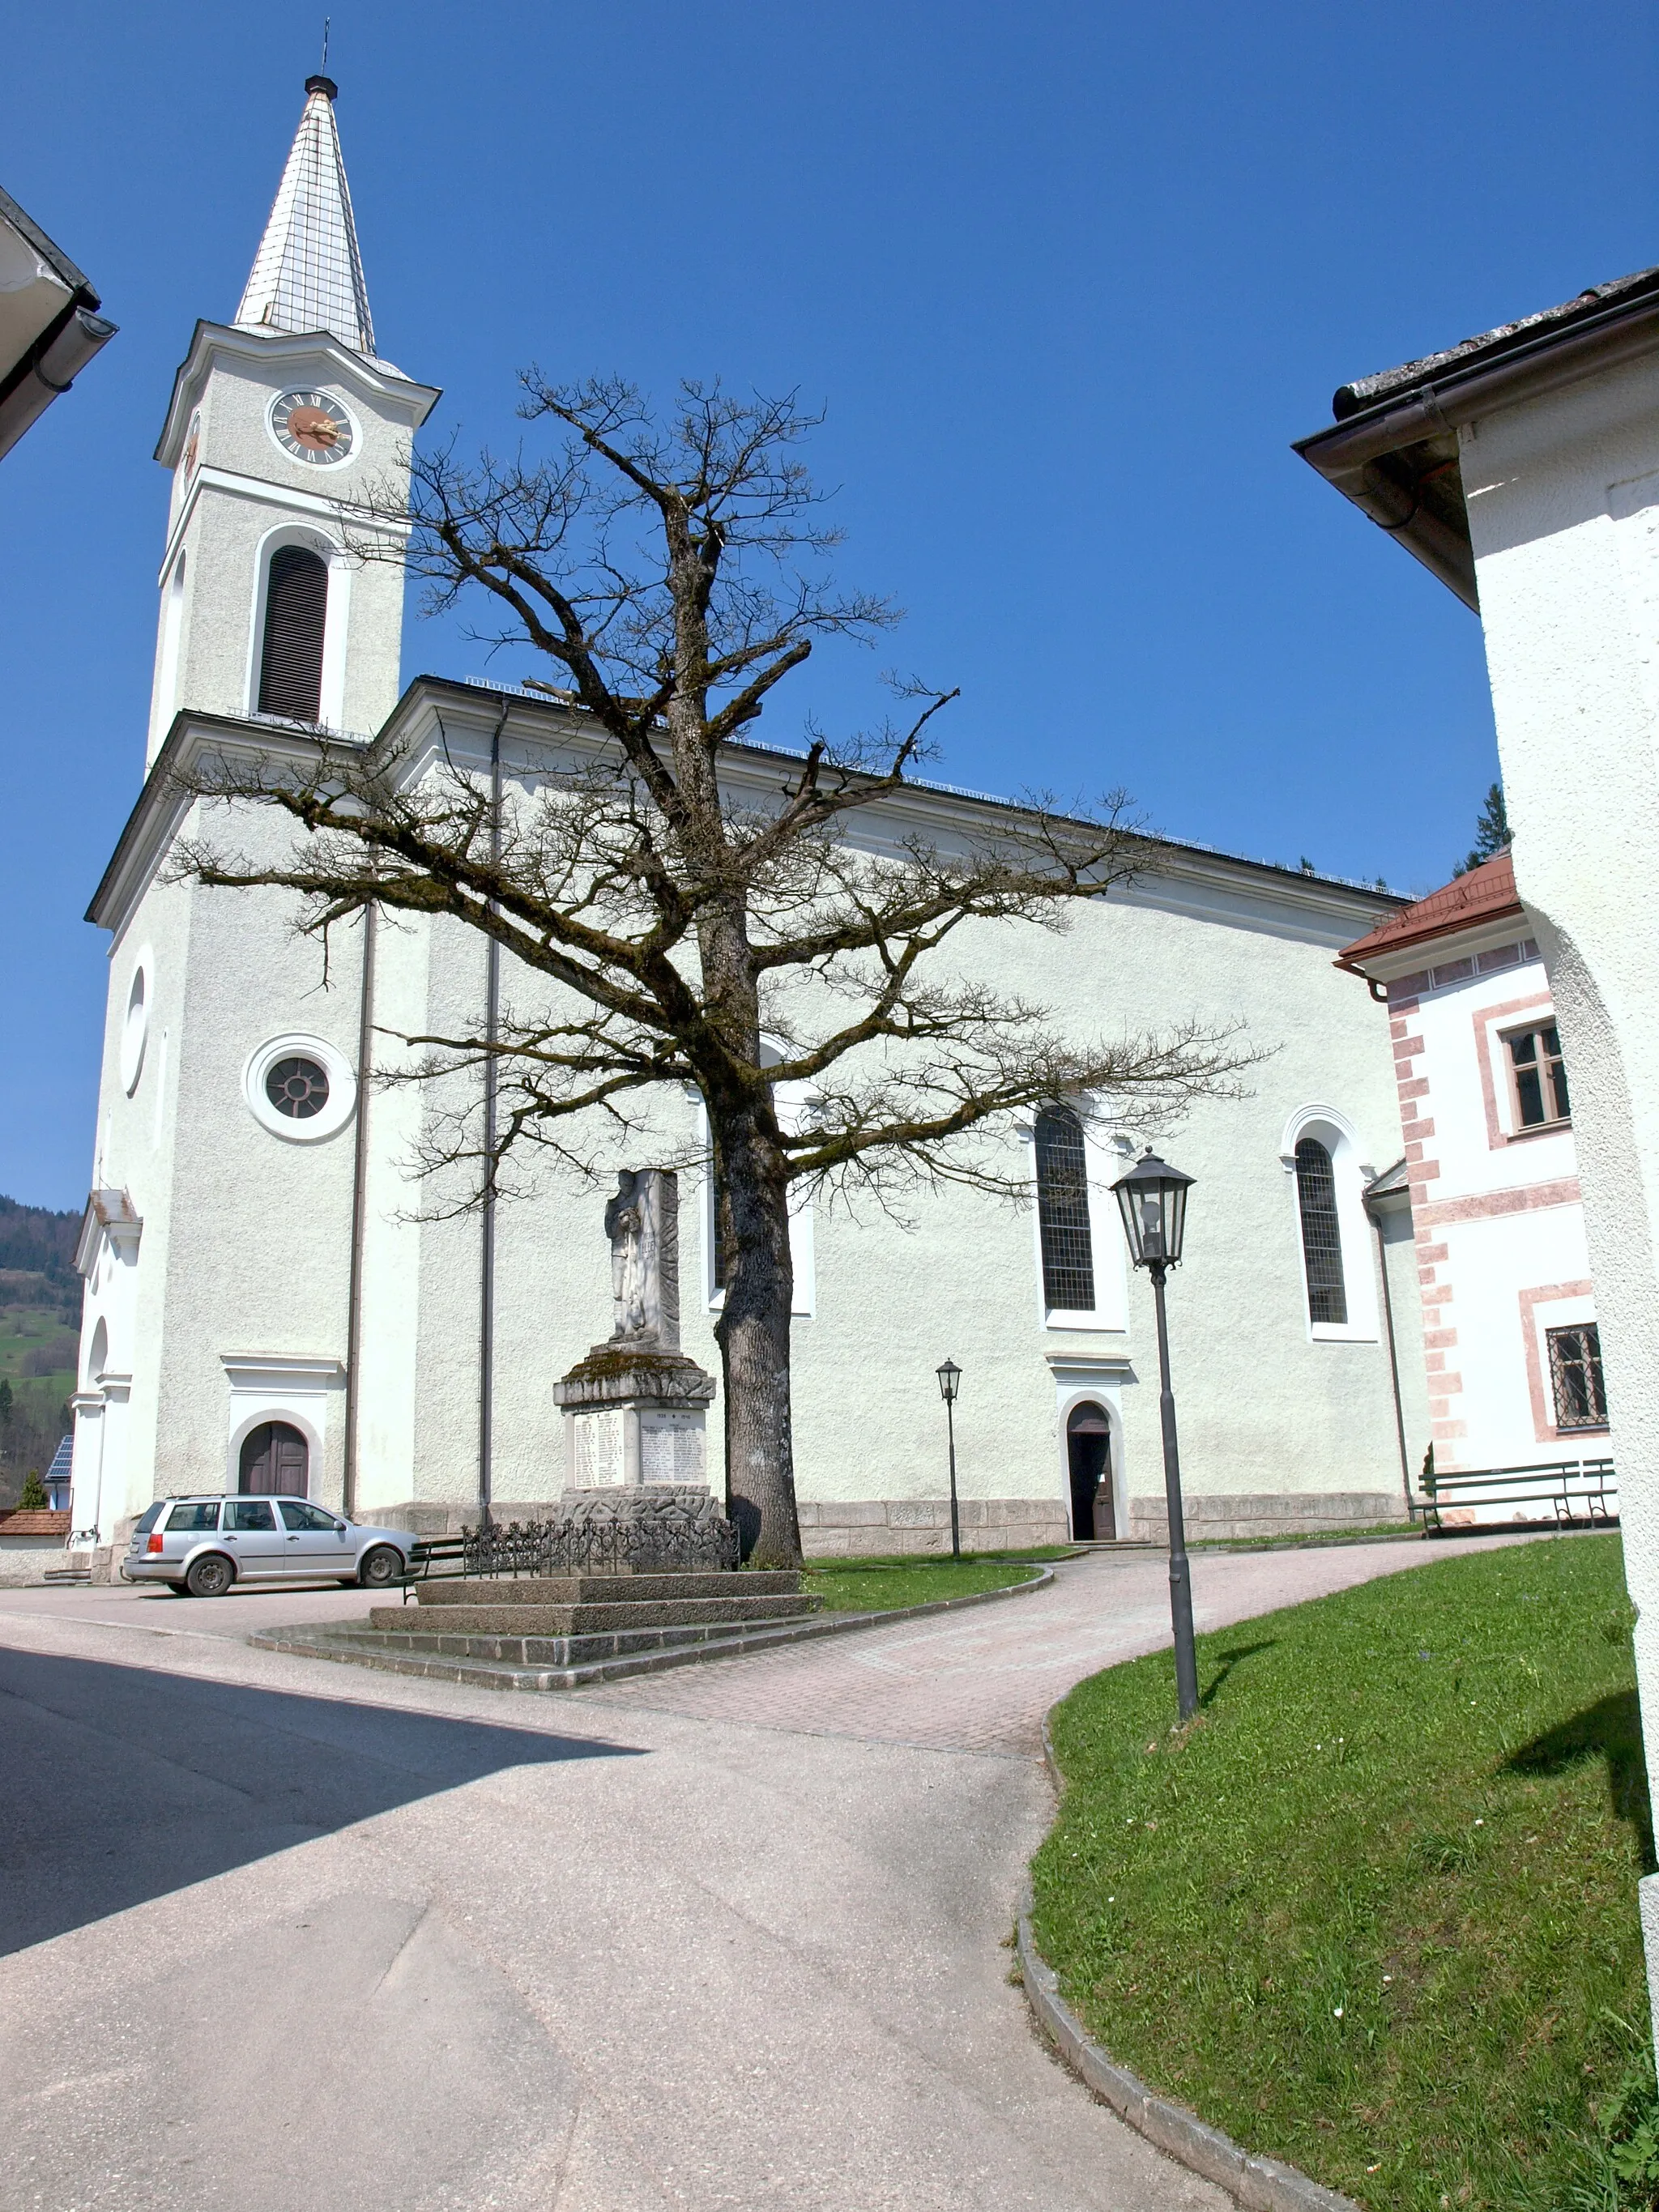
(980, 1681)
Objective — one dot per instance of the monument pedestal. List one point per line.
(634, 1415)
(636, 1410)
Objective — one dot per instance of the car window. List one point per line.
(196, 1517)
(148, 1519)
(295, 1516)
(248, 1513)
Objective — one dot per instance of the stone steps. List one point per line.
(535, 1650)
(436, 1643)
(496, 1619)
(389, 1653)
(602, 1589)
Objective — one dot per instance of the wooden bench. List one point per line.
(433, 1558)
(1583, 1493)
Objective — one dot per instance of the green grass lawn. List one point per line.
(881, 1585)
(1375, 1911)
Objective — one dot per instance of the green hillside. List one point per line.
(39, 1325)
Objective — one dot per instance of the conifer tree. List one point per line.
(1492, 832)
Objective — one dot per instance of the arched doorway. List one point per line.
(1089, 1455)
(276, 1458)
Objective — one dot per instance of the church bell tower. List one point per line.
(282, 423)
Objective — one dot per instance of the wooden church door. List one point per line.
(276, 1459)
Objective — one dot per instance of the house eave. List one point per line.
(1397, 461)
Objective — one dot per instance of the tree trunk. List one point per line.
(753, 1333)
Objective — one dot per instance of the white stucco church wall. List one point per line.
(253, 1268)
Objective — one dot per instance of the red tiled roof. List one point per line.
(1484, 893)
(33, 1524)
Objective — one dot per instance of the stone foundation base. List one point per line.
(849, 1527)
(24, 1560)
(1270, 1513)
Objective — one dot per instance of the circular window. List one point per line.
(301, 1088)
(298, 1087)
(134, 1029)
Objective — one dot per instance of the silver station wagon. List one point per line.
(201, 1545)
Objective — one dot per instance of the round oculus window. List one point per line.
(312, 427)
(297, 1087)
(134, 1029)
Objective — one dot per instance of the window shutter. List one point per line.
(296, 608)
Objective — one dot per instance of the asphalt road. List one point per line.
(277, 1935)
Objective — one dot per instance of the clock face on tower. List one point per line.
(312, 427)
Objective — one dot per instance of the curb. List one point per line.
(1260, 2185)
(311, 1644)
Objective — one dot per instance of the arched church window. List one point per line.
(296, 612)
(1322, 1236)
(1062, 1179)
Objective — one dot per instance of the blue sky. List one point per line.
(1067, 279)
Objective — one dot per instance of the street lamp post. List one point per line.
(950, 1381)
(1153, 1200)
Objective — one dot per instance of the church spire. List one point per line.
(308, 274)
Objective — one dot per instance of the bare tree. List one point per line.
(688, 925)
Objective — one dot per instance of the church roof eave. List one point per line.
(1329, 906)
(376, 378)
(433, 717)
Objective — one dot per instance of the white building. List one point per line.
(1510, 1344)
(1522, 467)
(265, 1307)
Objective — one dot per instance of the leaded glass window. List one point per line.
(1062, 1176)
(1322, 1236)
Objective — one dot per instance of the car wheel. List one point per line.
(380, 1568)
(211, 1576)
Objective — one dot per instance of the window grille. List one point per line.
(1062, 1174)
(296, 611)
(1322, 1237)
(1581, 1397)
(1539, 1076)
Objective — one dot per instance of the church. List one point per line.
(269, 1305)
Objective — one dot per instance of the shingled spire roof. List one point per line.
(309, 275)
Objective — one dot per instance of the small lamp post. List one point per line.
(950, 1381)
(1153, 1200)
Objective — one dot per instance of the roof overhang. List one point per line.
(211, 341)
(50, 328)
(444, 719)
(1397, 460)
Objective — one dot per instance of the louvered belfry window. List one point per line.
(1062, 1176)
(1321, 1238)
(296, 610)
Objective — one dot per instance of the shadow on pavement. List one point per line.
(121, 1784)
